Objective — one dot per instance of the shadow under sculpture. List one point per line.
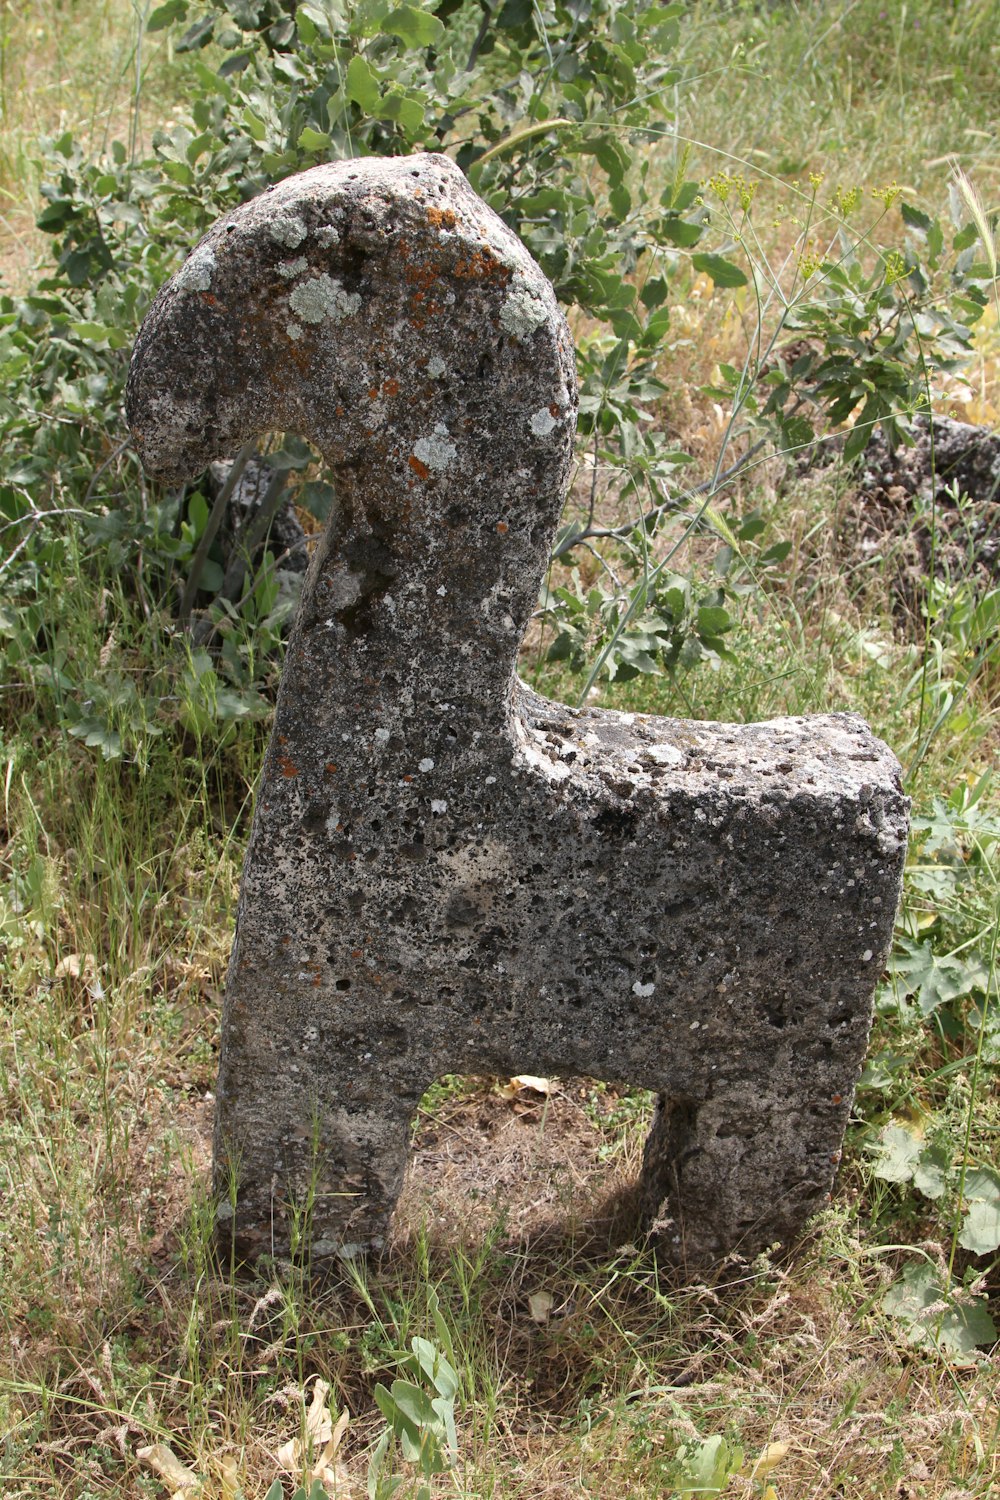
(447, 872)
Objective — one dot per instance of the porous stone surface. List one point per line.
(447, 872)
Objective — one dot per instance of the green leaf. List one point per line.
(434, 1365)
(276, 1491)
(930, 1175)
(406, 111)
(723, 272)
(166, 15)
(918, 970)
(197, 36)
(898, 1151)
(915, 217)
(99, 333)
(210, 578)
(254, 126)
(417, 28)
(515, 14)
(707, 1467)
(362, 85)
(859, 437)
(317, 498)
(312, 140)
(714, 619)
(936, 1316)
(981, 1227)
(683, 233)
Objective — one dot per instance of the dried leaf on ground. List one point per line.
(526, 1083)
(316, 1449)
(540, 1305)
(164, 1462)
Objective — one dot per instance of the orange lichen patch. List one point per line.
(502, 527)
(373, 392)
(554, 410)
(481, 266)
(442, 216)
(418, 467)
(391, 388)
(330, 768)
(423, 274)
(287, 767)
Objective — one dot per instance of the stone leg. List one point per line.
(740, 1169)
(318, 1165)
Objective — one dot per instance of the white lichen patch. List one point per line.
(438, 805)
(426, 765)
(436, 367)
(327, 235)
(664, 755)
(436, 451)
(643, 990)
(524, 309)
(294, 331)
(343, 588)
(323, 297)
(195, 275)
(542, 422)
(288, 230)
(290, 268)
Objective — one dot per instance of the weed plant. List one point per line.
(735, 303)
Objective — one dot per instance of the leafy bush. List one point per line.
(559, 114)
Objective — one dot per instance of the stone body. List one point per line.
(447, 872)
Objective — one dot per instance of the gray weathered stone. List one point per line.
(447, 872)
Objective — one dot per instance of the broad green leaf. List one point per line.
(197, 513)
(197, 36)
(413, 1402)
(898, 1152)
(362, 85)
(930, 1175)
(313, 140)
(166, 15)
(417, 28)
(254, 126)
(210, 578)
(981, 1227)
(723, 272)
(707, 1467)
(915, 217)
(682, 232)
(434, 1365)
(934, 980)
(408, 112)
(317, 498)
(714, 619)
(936, 1316)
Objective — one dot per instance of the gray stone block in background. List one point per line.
(446, 872)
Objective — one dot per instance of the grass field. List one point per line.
(134, 1363)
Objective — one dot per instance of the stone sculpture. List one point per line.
(447, 872)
